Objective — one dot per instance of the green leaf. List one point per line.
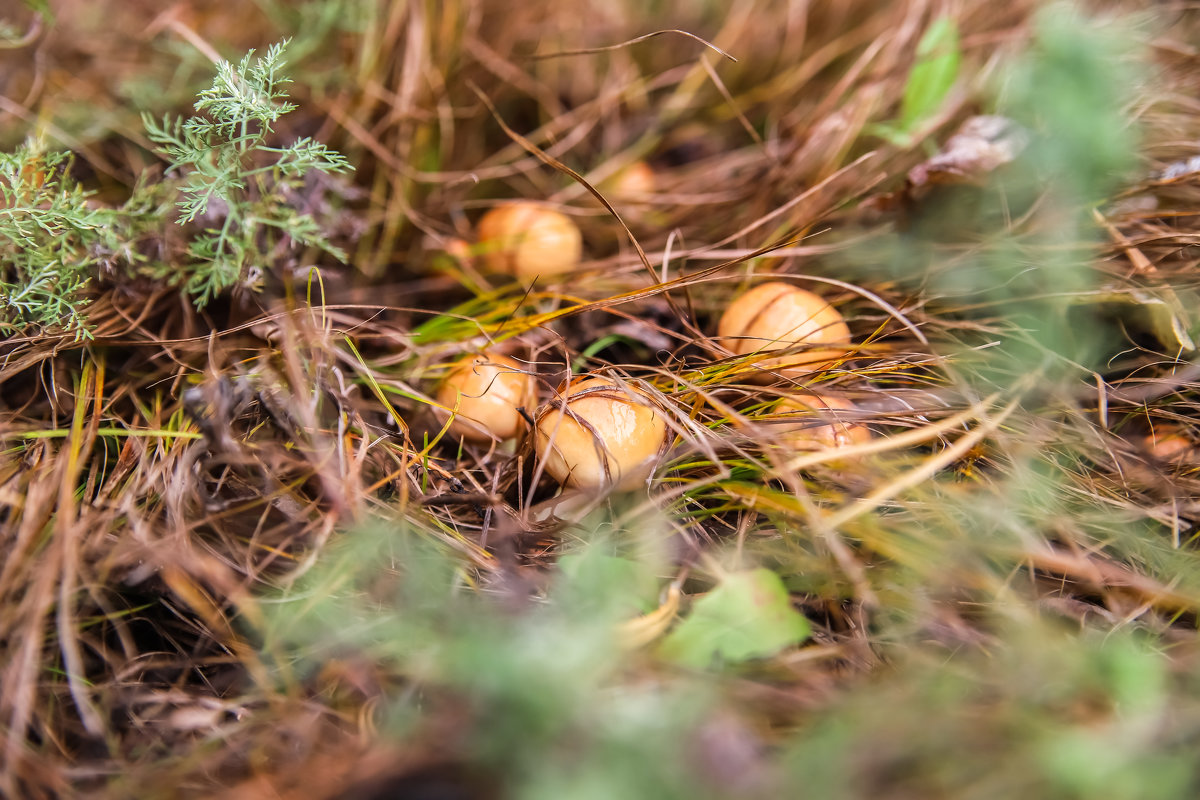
(890, 134)
(749, 615)
(1158, 312)
(610, 581)
(933, 74)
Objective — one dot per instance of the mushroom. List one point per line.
(1168, 443)
(775, 316)
(818, 424)
(600, 433)
(487, 390)
(528, 240)
(634, 182)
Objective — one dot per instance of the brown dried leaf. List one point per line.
(981, 145)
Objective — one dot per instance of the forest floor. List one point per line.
(248, 551)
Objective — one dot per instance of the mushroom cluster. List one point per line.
(811, 335)
(596, 433)
(605, 433)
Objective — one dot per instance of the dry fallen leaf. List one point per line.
(980, 146)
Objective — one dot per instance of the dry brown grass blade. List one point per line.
(68, 531)
(633, 41)
(1102, 574)
(549, 160)
(927, 469)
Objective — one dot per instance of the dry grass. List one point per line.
(164, 485)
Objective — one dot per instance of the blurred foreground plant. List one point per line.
(555, 702)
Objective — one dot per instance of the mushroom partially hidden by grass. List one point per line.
(488, 390)
(527, 241)
(634, 182)
(818, 424)
(776, 316)
(1169, 443)
(600, 433)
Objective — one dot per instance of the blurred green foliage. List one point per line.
(1018, 250)
(1048, 713)
(544, 676)
(933, 74)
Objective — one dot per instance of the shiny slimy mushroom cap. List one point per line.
(487, 390)
(600, 433)
(774, 316)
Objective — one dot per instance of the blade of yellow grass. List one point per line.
(643, 630)
(899, 441)
(376, 388)
(66, 533)
(928, 468)
(116, 433)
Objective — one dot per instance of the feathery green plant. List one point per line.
(237, 184)
(54, 238)
(51, 238)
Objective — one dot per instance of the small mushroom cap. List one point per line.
(774, 316)
(487, 389)
(635, 181)
(819, 426)
(527, 240)
(1168, 443)
(458, 249)
(610, 435)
